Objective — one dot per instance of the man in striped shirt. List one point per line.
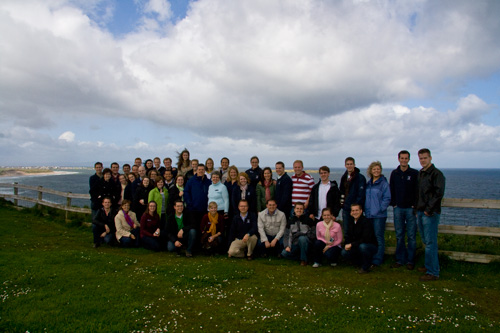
(302, 184)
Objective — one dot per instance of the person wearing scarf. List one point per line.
(127, 226)
(265, 189)
(244, 192)
(212, 228)
(328, 239)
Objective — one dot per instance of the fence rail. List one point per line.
(445, 229)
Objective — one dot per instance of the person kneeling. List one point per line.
(180, 231)
(328, 239)
(242, 235)
(360, 241)
(212, 228)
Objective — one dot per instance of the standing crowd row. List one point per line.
(194, 206)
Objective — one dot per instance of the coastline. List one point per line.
(19, 173)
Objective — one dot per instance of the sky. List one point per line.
(316, 80)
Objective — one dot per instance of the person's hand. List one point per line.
(132, 236)
(107, 229)
(311, 216)
(273, 242)
(326, 249)
(157, 233)
(180, 233)
(288, 249)
(348, 247)
(103, 234)
(268, 245)
(178, 244)
(181, 193)
(141, 201)
(427, 214)
(210, 239)
(245, 238)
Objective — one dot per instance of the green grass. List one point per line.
(51, 279)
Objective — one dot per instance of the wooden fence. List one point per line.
(443, 229)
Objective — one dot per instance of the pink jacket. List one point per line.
(335, 233)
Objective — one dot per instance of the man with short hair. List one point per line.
(271, 223)
(243, 233)
(138, 181)
(298, 236)
(224, 167)
(283, 192)
(115, 174)
(404, 189)
(431, 184)
(324, 194)
(138, 161)
(167, 162)
(180, 231)
(302, 184)
(135, 168)
(254, 172)
(352, 190)
(194, 167)
(157, 164)
(196, 194)
(126, 170)
(93, 185)
(360, 241)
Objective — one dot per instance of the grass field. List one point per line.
(53, 280)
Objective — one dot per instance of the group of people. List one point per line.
(194, 206)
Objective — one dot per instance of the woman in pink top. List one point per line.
(328, 239)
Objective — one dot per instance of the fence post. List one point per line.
(68, 205)
(16, 192)
(40, 194)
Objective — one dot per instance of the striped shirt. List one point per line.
(302, 187)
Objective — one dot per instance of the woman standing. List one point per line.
(141, 197)
(184, 163)
(150, 228)
(218, 194)
(265, 188)
(378, 197)
(127, 226)
(160, 195)
(209, 167)
(244, 191)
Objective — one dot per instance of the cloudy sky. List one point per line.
(88, 80)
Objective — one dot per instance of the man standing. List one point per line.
(302, 184)
(404, 187)
(271, 223)
(115, 173)
(196, 194)
(167, 161)
(126, 170)
(192, 172)
(360, 240)
(142, 173)
(325, 194)
(431, 183)
(243, 233)
(224, 167)
(254, 172)
(283, 192)
(93, 185)
(138, 161)
(352, 190)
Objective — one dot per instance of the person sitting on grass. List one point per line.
(150, 228)
(298, 238)
(127, 226)
(180, 231)
(328, 239)
(212, 228)
(103, 224)
(360, 240)
(243, 233)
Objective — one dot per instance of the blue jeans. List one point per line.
(379, 229)
(298, 250)
(261, 246)
(405, 222)
(188, 238)
(151, 243)
(361, 254)
(428, 227)
(332, 254)
(128, 241)
(97, 231)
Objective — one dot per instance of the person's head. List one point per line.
(123, 180)
(159, 182)
(194, 164)
(152, 208)
(178, 207)
(167, 162)
(183, 159)
(156, 162)
(115, 168)
(326, 215)
(324, 173)
(280, 168)
(254, 162)
(131, 177)
(145, 182)
(350, 164)
(142, 171)
(298, 167)
(106, 174)
(243, 206)
(98, 168)
(299, 209)
(126, 205)
(138, 161)
(404, 158)
(135, 168)
(356, 211)
(243, 179)
(152, 174)
(374, 170)
(148, 164)
(232, 173)
(200, 170)
(215, 177)
(271, 205)
(209, 164)
(106, 203)
(168, 175)
(126, 168)
(267, 175)
(179, 180)
(224, 163)
(212, 207)
(425, 158)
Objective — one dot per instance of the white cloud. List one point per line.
(67, 136)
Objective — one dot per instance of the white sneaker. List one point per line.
(333, 264)
(316, 265)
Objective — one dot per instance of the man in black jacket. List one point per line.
(324, 194)
(283, 192)
(352, 190)
(431, 183)
(243, 233)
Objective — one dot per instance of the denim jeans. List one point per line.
(151, 243)
(188, 239)
(298, 251)
(379, 229)
(362, 254)
(97, 231)
(128, 241)
(261, 246)
(428, 227)
(332, 254)
(405, 222)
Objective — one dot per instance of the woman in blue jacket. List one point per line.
(378, 197)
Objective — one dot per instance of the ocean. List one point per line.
(460, 183)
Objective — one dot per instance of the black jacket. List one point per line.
(431, 183)
(404, 188)
(283, 194)
(172, 229)
(240, 227)
(332, 199)
(360, 232)
(354, 191)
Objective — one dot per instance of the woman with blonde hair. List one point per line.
(244, 192)
(209, 167)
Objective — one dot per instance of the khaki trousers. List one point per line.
(237, 248)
